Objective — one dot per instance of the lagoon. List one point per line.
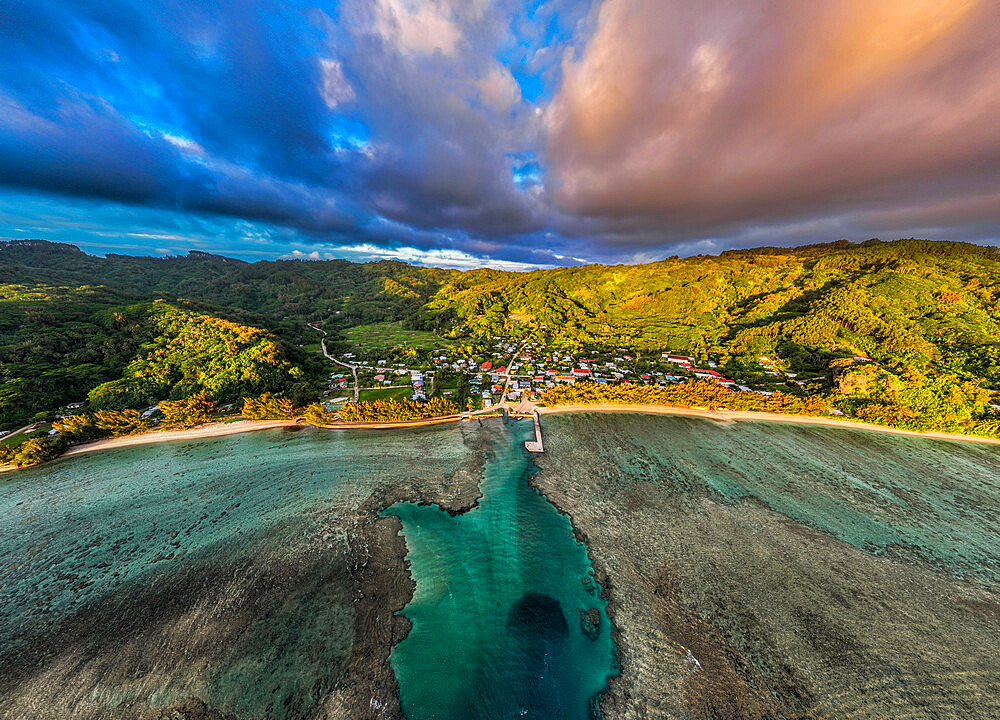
(749, 569)
(508, 620)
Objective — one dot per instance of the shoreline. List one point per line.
(222, 429)
(737, 415)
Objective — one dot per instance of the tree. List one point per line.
(39, 450)
(77, 427)
(269, 407)
(121, 422)
(192, 410)
(318, 415)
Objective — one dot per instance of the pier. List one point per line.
(536, 444)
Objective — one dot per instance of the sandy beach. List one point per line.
(732, 416)
(202, 431)
(241, 426)
(221, 429)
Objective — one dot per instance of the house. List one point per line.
(380, 377)
(486, 366)
(679, 359)
(566, 379)
(702, 373)
(581, 372)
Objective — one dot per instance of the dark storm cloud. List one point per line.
(378, 122)
(539, 133)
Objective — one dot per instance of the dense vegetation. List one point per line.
(60, 345)
(396, 410)
(281, 295)
(927, 313)
(905, 333)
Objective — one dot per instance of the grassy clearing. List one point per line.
(15, 440)
(402, 393)
(390, 335)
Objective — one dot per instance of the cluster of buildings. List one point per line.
(533, 367)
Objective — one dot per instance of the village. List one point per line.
(504, 370)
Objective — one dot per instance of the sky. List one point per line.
(467, 133)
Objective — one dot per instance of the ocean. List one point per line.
(674, 567)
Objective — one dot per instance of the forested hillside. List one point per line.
(925, 313)
(288, 293)
(60, 345)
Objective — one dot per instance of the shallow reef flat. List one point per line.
(751, 570)
(241, 577)
(762, 570)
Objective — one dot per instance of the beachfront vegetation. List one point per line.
(78, 428)
(396, 410)
(316, 414)
(33, 451)
(269, 407)
(710, 395)
(117, 423)
(192, 410)
(698, 394)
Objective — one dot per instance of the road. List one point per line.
(352, 368)
(506, 374)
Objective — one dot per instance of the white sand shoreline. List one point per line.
(737, 415)
(221, 429)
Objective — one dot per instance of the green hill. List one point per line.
(926, 314)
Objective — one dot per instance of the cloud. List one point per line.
(336, 90)
(694, 116)
(534, 133)
(455, 259)
(414, 26)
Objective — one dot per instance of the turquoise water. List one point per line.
(507, 620)
(882, 493)
(221, 569)
(214, 568)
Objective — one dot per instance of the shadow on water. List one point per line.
(508, 621)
